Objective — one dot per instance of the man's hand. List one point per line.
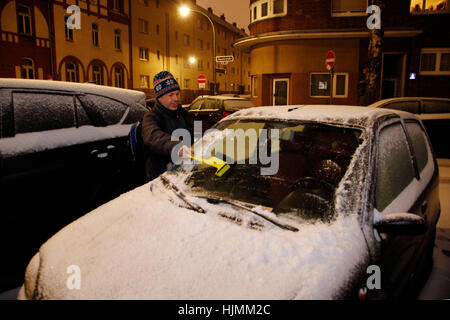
(185, 152)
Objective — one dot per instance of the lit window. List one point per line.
(144, 82)
(429, 6)
(143, 26)
(320, 85)
(186, 83)
(143, 54)
(435, 61)
(265, 9)
(254, 86)
(118, 77)
(348, 8)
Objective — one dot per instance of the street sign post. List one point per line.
(201, 79)
(329, 64)
(224, 58)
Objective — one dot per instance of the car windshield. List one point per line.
(290, 167)
(236, 104)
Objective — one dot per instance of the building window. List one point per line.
(200, 64)
(320, 85)
(71, 72)
(144, 82)
(24, 16)
(158, 55)
(97, 75)
(186, 83)
(265, 9)
(143, 54)
(176, 59)
(348, 8)
(118, 5)
(144, 2)
(435, 61)
(68, 32)
(27, 69)
(176, 35)
(143, 26)
(254, 86)
(157, 3)
(118, 77)
(200, 44)
(117, 40)
(95, 34)
(186, 40)
(429, 6)
(157, 29)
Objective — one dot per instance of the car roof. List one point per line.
(354, 116)
(384, 101)
(222, 97)
(124, 95)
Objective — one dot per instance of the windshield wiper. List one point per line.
(181, 195)
(240, 206)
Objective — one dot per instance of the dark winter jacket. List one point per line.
(157, 127)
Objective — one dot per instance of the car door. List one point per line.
(34, 182)
(402, 187)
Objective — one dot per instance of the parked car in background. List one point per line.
(354, 188)
(63, 151)
(211, 109)
(434, 113)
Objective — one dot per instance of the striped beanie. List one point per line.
(163, 83)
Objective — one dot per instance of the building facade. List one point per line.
(121, 43)
(162, 39)
(290, 39)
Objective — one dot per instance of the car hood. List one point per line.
(145, 245)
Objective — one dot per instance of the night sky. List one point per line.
(234, 10)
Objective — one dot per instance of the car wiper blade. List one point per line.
(240, 206)
(181, 195)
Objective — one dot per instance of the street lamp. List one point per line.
(192, 60)
(184, 11)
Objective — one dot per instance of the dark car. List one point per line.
(211, 109)
(434, 113)
(63, 151)
(339, 202)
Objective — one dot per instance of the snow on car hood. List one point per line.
(143, 245)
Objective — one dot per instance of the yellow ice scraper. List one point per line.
(221, 165)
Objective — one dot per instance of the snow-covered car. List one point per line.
(210, 109)
(63, 151)
(329, 202)
(434, 113)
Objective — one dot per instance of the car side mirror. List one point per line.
(400, 224)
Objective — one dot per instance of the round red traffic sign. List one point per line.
(330, 60)
(201, 78)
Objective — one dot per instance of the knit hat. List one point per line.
(163, 83)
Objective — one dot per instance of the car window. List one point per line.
(82, 117)
(394, 167)
(196, 105)
(102, 110)
(42, 111)
(236, 105)
(409, 106)
(136, 112)
(419, 143)
(211, 104)
(430, 106)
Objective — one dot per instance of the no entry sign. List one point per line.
(330, 60)
(201, 81)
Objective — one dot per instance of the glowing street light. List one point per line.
(192, 60)
(184, 11)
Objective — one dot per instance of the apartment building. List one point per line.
(120, 43)
(289, 41)
(162, 39)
